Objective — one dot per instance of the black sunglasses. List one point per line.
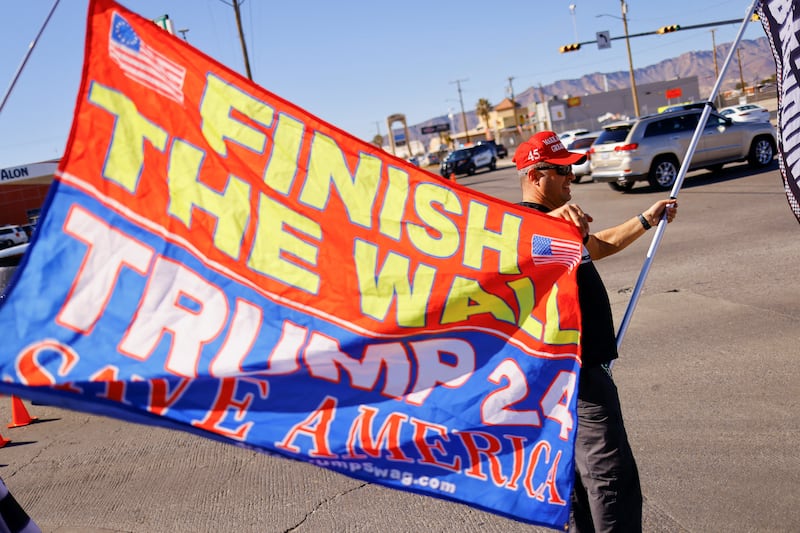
(561, 170)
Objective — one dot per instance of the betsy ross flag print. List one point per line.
(143, 64)
(549, 251)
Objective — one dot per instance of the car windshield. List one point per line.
(572, 133)
(613, 135)
(583, 142)
(458, 155)
(726, 111)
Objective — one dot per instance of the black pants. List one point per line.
(607, 495)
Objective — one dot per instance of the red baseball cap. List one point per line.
(545, 147)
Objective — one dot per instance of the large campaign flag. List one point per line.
(214, 259)
(781, 22)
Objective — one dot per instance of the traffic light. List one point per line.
(668, 29)
(570, 47)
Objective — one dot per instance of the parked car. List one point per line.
(582, 144)
(767, 87)
(469, 160)
(569, 135)
(688, 105)
(499, 149)
(28, 229)
(429, 160)
(651, 147)
(11, 236)
(746, 113)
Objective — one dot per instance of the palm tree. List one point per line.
(483, 108)
(447, 141)
(378, 140)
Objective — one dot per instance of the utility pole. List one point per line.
(624, 7)
(241, 39)
(741, 75)
(463, 113)
(513, 103)
(545, 107)
(714, 50)
(716, 69)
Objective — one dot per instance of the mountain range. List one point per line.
(754, 56)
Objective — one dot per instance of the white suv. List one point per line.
(12, 235)
(651, 147)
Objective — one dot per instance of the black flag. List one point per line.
(780, 21)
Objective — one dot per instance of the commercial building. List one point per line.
(23, 190)
(511, 122)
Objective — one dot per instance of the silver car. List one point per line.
(651, 148)
(582, 145)
(569, 135)
(746, 113)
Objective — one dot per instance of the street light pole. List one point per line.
(574, 24)
(635, 95)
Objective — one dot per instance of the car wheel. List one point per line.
(761, 152)
(471, 169)
(663, 172)
(619, 187)
(576, 179)
(493, 164)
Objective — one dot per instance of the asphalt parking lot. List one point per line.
(707, 377)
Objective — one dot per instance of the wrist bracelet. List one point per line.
(644, 222)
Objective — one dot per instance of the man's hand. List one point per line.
(656, 211)
(573, 213)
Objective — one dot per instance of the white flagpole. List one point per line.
(27, 55)
(698, 132)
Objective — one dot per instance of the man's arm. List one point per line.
(612, 240)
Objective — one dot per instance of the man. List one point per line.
(13, 518)
(607, 494)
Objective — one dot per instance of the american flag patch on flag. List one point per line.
(549, 251)
(143, 64)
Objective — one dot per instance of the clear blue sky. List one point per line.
(353, 63)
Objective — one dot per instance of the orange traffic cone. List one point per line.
(3, 441)
(453, 176)
(19, 414)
